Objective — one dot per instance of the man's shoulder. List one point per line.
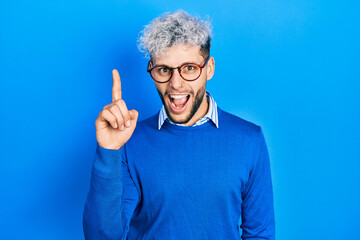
(236, 124)
(144, 129)
(150, 123)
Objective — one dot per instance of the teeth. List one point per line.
(178, 96)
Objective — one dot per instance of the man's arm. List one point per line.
(112, 197)
(257, 207)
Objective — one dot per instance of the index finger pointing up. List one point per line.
(116, 90)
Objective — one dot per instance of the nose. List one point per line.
(176, 81)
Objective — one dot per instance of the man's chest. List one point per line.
(198, 174)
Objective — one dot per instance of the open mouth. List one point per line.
(178, 102)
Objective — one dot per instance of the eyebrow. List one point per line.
(156, 65)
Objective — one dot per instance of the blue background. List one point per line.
(290, 66)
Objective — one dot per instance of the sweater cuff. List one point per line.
(107, 162)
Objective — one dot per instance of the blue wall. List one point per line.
(290, 66)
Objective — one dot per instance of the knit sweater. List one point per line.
(183, 182)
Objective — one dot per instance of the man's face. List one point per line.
(184, 101)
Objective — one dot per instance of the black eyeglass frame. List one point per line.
(178, 68)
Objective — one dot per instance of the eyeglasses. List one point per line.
(188, 71)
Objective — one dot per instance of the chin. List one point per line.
(179, 119)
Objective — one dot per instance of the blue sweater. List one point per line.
(182, 183)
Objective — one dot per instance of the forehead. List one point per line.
(176, 55)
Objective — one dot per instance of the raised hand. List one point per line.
(115, 123)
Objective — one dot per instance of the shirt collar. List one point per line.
(212, 114)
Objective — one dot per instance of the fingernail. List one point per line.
(128, 123)
(122, 127)
(116, 126)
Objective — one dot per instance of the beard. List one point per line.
(197, 102)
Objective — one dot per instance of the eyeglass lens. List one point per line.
(188, 72)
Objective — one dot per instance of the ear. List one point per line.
(150, 64)
(210, 68)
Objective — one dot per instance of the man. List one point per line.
(191, 171)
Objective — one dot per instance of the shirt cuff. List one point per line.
(108, 162)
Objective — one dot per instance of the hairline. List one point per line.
(202, 50)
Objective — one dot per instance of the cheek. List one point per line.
(161, 88)
(200, 86)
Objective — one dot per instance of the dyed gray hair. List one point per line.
(171, 29)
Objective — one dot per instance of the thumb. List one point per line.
(134, 114)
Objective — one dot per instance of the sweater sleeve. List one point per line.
(112, 197)
(257, 207)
